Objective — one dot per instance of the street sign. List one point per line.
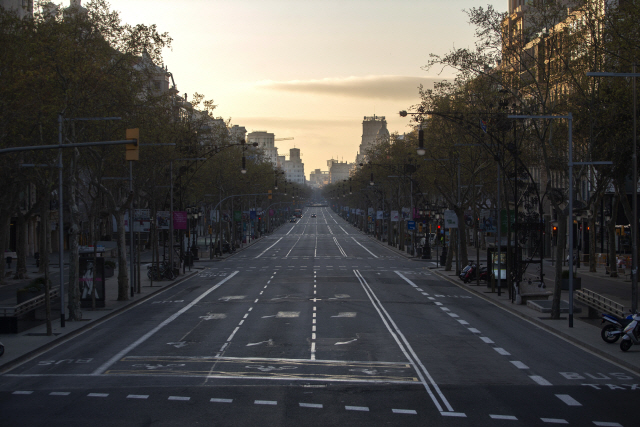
(411, 225)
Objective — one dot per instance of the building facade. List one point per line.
(338, 171)
(266, 142)
(22, 8)
(294, 168)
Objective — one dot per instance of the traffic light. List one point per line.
(133, 150)
(270, 194)
(554, 235)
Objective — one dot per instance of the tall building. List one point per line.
(374, 131)
(294, 168)
(266, 142)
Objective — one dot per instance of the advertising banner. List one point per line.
(179, 220)
(369, 211)
(405, 213)
(162, 220)
(380, 215)
(214, 216)
(450, 219)
(395, 216)
(141, 220)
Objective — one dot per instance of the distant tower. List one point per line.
(374, 130)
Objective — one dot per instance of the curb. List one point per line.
(90, 325)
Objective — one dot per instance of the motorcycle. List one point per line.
(469, 273)
(631, 334)
(612, 331)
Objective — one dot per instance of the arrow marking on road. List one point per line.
(178, 344)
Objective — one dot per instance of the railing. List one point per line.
(599, 302)
(28, 305)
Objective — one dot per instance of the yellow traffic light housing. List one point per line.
(133, 150)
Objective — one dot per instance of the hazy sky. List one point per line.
(307, 69)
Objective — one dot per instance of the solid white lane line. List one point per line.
(406, 350)
(503, 417)
(221, 400)
(539, 380)
(272, 246)
(294, 245)
(98, 395)
(345, 231)
(570, 401)
(102, 368)
(357, 408)
(519, 364)
(375, 256)
(310, 405)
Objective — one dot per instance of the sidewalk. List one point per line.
(585, 332)
(30, 343)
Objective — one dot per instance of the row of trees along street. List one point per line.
(532, 62)
(85, 63)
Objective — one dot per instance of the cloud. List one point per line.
(371, 87)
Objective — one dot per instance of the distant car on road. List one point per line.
(313, 215)
(293, 219)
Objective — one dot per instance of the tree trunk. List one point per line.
(44, 255)
(5, 220)
(592, 244)
(21, 247)
(73, 290)
(613, 266)
(123, 272)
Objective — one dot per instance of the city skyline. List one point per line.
(299, 70)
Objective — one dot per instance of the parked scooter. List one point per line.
(469, 273)
(631, 334)
(612, 331)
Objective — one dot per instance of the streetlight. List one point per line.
(634, 160)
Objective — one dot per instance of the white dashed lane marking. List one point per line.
(404, 411)
(554, 420)
(310, 405)
(503, 417)
(357, 408)
(216, 400)
(568, 400)
(265, 402)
